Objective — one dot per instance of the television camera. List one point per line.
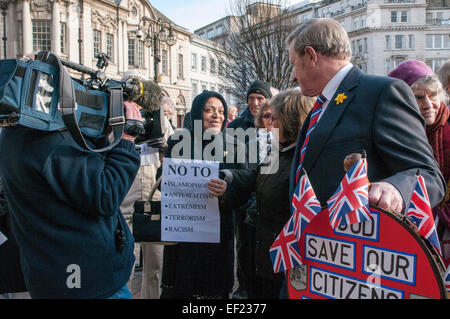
(41, 94)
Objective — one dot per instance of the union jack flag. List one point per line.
(305, 205)
(447, 279)
(419, 212)
(285, 252)
(350, 203)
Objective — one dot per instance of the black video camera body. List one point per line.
(40, 94)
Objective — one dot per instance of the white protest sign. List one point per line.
(188, 212)
(2, 238)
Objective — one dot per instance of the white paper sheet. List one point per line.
(188, 212)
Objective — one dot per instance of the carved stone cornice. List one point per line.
(386, 29)
(105, 20)
(41, 5)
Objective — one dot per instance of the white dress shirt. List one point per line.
(332, 86)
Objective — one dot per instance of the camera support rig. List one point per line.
(98, 78)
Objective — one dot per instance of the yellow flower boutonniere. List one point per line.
(340, 98)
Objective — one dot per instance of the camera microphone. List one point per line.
(147, 94)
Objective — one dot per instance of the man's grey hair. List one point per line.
(326, 36)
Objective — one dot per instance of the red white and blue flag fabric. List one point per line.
(285, 252)
(305, 205)
(447, 279)
(350, 203)
(315, 114)
(419, 212)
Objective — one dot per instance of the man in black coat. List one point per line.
(257, 94)
(362, 112)
(11, 276)
(64, 202)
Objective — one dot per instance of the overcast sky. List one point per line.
(194, 14)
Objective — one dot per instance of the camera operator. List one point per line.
(140, 190)
(64, 202)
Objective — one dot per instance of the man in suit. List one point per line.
(360, 112)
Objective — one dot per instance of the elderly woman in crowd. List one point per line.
(431, 97)
(263, 117)
(289, 110)
(262, 148)
(264, 124)
(232, 113)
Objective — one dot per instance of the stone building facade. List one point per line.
(208, 69)
(78, 30)
(383, 33)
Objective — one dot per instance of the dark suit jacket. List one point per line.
(379, 115)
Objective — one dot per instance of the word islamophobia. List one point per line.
(232, 151)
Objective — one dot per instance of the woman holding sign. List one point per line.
(205, 270)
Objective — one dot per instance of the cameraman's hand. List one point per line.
(131, 113)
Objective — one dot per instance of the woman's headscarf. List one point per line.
(199, 104)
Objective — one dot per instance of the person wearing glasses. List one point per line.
(284, 115)
(258, 92)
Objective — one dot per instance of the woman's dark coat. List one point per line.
(204, 269)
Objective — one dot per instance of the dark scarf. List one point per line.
(197, 114)
(435, 135)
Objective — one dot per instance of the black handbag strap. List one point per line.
(68, 110)
(155, 187)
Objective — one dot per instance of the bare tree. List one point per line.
(255, 46)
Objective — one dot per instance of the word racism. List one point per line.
(232, 151)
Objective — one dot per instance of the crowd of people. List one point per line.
(77, 205)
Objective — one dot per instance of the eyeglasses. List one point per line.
(267, 116)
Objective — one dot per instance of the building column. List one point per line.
(56, 28)
(86, 20)
(118, 47)
(27, 30)
(125, 46)
(11, 31)
(72, 23)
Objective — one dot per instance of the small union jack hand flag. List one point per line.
(350, 203)
(305, 205)
(285, 252)
(419, 212)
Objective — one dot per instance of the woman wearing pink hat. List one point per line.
(430, 96)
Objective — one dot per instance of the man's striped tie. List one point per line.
(315, 113)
